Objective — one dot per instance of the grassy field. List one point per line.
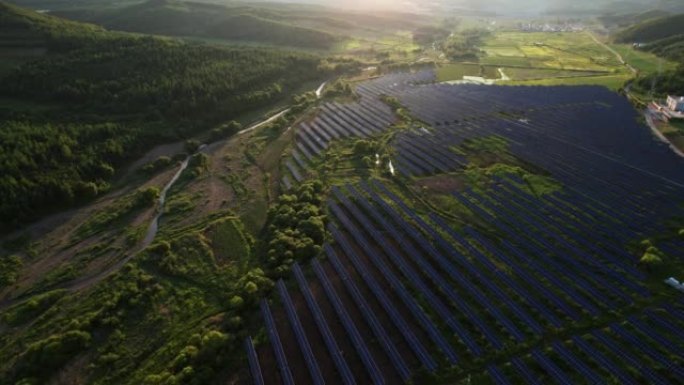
(543, 59)
(552, 58)
(644, 62)
(567, 50)
(456, 71)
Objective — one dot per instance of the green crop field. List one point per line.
(553, 58)
(457, 71)
(643, 61)
(566, 50)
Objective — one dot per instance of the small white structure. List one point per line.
(674, 283)
(675, 103)
(391, 168)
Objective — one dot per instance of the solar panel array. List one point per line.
(532, 289)
(363, 118)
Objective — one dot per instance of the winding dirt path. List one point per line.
(613, 51)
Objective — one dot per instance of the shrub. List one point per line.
(236, 302)
(44, 357)
(146, 197)
(650, 259)
(9, 270)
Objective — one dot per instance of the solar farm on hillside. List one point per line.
(503, 247)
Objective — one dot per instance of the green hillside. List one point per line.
(26, 35)
(663, 37)
(194, 19)
(72, 116)
(624, 20)
(652, 30)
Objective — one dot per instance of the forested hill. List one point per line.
(194, 19)
(93, 101)
(21, 28)
(664, 37)
(652, 30)
(622, 20)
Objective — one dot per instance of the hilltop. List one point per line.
(194, 19)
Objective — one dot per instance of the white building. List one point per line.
(675, 103)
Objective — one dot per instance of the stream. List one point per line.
(154, 225)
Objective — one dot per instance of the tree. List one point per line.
(147, 197)
(650, 260)
(236, 302)
(191, 145)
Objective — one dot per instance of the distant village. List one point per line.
(551, 27)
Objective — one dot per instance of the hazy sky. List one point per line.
(507, 6)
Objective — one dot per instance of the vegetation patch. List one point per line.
(10, 266)
(229, 241)
(32, 308)
(117, 212)
(295, 228)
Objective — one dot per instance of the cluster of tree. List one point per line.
(42, 358)
(225, 130)
(670, 47)
(668, 82)
(370, 152)
(122, 208)
(55, 165)
(652, 257)
(405, 67)
(428, 35)
(296, 227)
(156, 165)
(465, 44)
(198, 362)
(9, 270)
(154, 78)
(107, 97)
(338, 88)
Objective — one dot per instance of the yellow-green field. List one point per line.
(553, 58)
(558, 50)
